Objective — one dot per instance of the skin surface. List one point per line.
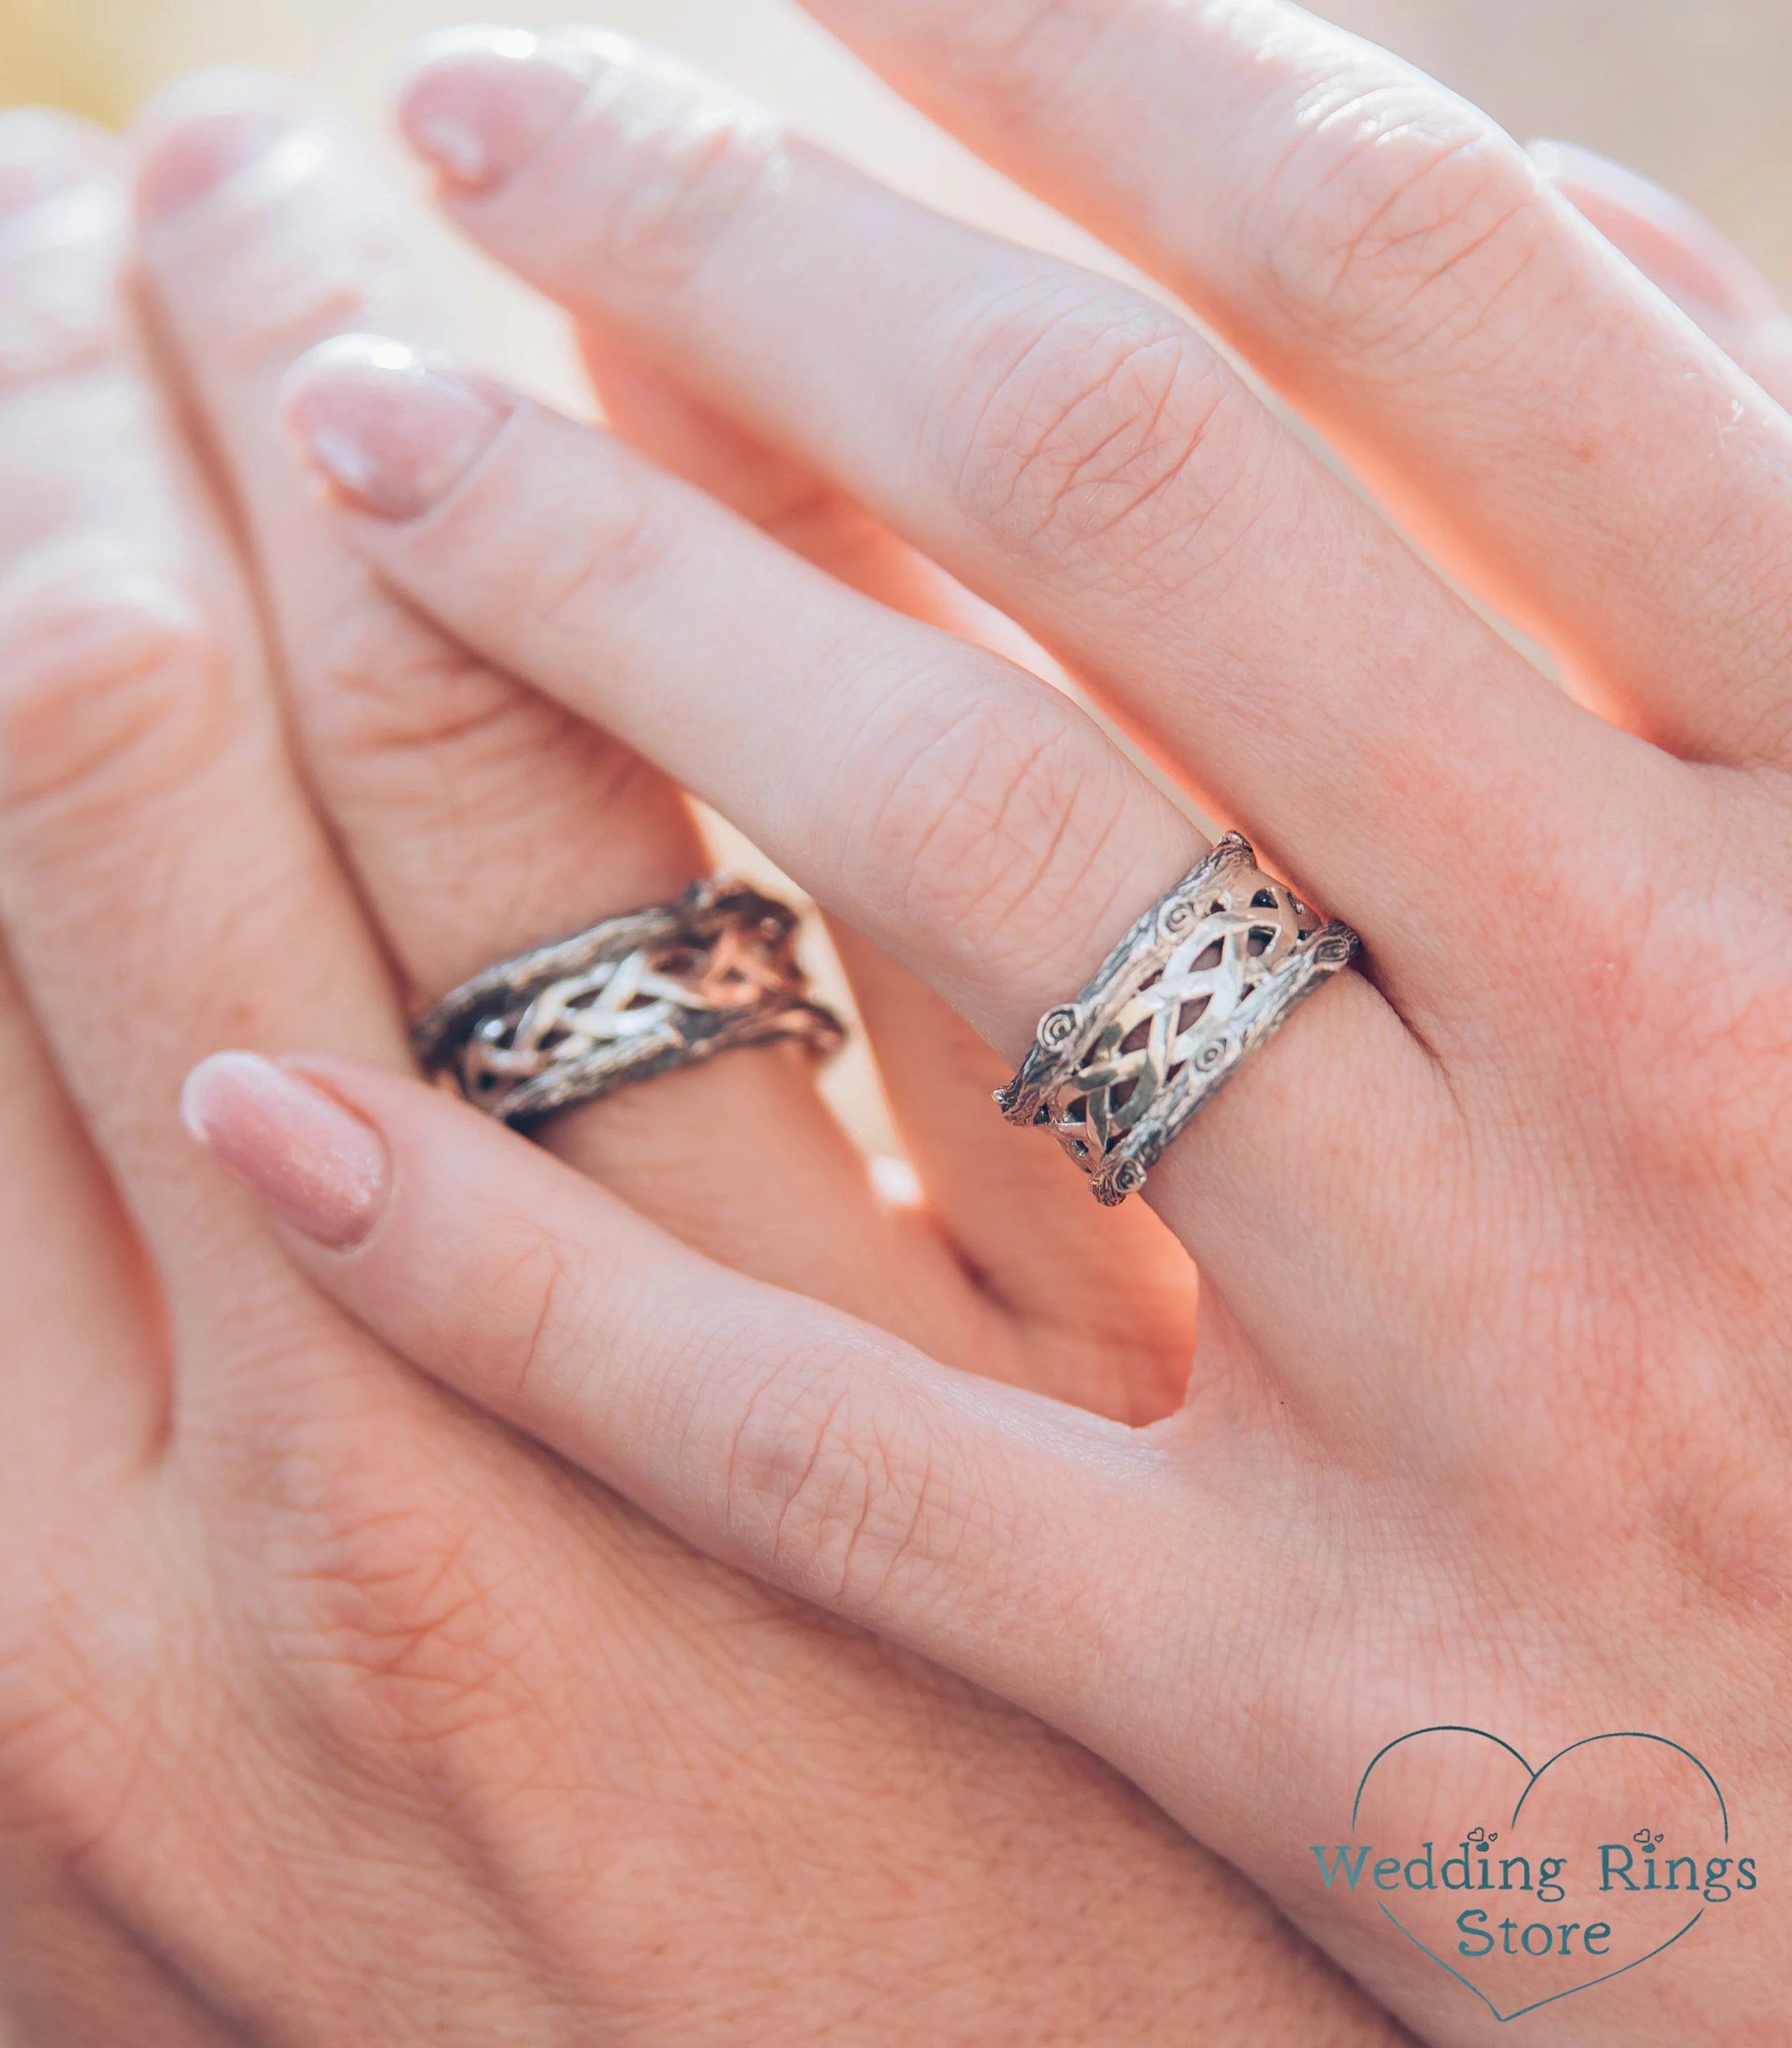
(1486, 1426)
(332, 1710)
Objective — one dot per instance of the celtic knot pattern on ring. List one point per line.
(633, 997)
(1202, 979)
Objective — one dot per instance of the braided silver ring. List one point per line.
(1205, 976)
(629, 999)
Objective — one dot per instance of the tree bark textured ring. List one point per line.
(1208, 973)
(630, 998)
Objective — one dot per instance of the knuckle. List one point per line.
(1397, 212)
(401, 1626)
(380, 688)
(391, 1595)
(834, 1488)
(114, 688)
(619, 547)
(990, 814)
(61, 309)
(302, 250)
(1076, 412)
(536, 1307)
(673, 168)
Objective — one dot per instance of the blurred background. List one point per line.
(1697, 93)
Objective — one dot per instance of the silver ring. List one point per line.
(1208, 973)
(629, 999)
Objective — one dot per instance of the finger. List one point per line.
(266, 228)
(69, 1968)
(974, 825)
(1390, 260)
(83, 1388)
(971, 1521)
(1106, 1305)
(161, 884)
(787, 500)
(1108, 1313)
(1682, 254)
(1077, 455)
(480, 817)
(79, 1378)
(248, 271)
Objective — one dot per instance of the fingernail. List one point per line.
(189, 161)
(1673, 245)
(392, 433)
(316, 1165)
(477, 103)
(43, 153)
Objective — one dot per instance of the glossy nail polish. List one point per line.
(317, 1166)
(392, 432)
(477, 103)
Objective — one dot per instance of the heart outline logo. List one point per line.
(1532, 1776)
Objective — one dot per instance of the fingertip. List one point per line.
(316, 1164)
(389, 431)
(476, 103)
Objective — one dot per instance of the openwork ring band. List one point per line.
(1209, 972)
(629, 999)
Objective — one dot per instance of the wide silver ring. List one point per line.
(630, 998)
(1208, 973)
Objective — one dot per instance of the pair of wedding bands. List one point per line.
(1209, 972)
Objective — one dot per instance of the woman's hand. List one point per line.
(1487, 1422)
(330, 1711)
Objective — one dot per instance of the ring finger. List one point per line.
(975, 824)
(1081, 457)
(480, 816)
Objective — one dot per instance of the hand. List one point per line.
(1486, 1424)
(330, 1712)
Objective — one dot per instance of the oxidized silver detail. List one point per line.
(633, 997)
(1204, 977)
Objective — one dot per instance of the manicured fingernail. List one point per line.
(320, 1169)
(189, 161)
(1673, 245)
(43, 153)
(392, 432)
(479, 103)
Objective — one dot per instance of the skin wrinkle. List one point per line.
(568, 1309)
(389, 690)
(116, 689)
(1109, 342)
(634, 549)
(680, 186)
(1348, 1386)
(1362, 248)
(418, 1645)
(985, 718)
(1128, 201)
(987, 915)
(248, 256)
(1196, 580)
